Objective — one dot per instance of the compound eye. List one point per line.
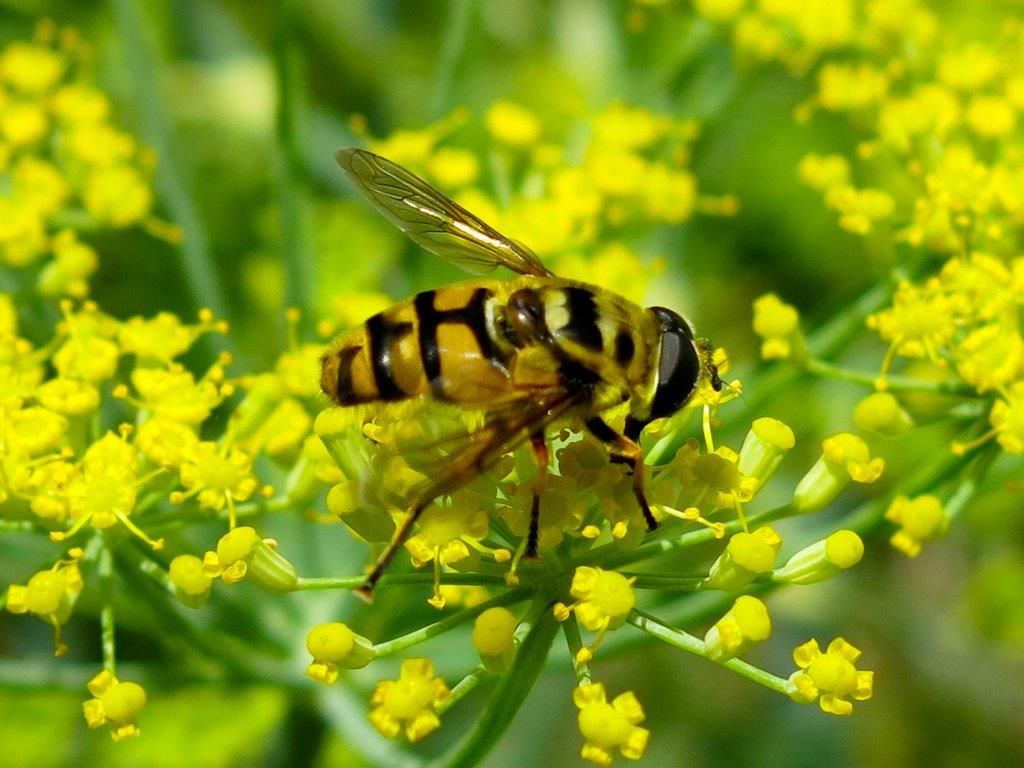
(678, 367)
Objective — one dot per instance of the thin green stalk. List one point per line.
(892, 383)
(666, 582)
(454, 43)
(571, 630)
(259, 507)
(315, 584)
(691, 644)
(969, 485)
(232, 655)
(200, 275)
(353, 582)
(444, 625)
(463, 687)
(106, 573)
(298, 253)
(510, 693)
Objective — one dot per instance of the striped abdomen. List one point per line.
(439, 343)
(479, 342)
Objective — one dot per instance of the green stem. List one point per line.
(452, 47)
(259, 507)
(298, 252)
(200, 275)
(353, 582)
(444, 625)
(463, 687)
(691, 644)
(328, 582)
(106, 574)
(510, 693)
(969, 485)
(666, 582)
(571, 630)
(892, 383)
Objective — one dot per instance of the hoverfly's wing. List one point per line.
(432, 220)
(410, 462)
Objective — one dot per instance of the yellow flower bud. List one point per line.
(244, 555)
(921, 519)
(778, 325)
(493, 638)
(114, 702)
(764, 448)
(410, 702)
(845, 457)
(881, 412)
(823, 559)
(746, 624)
(607, 726)
(191, 582)
(606, 597)
(746, 556)
(333, 645)
(829, 677)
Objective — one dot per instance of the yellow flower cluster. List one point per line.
(106, 433)
(799, 34)
(951, 126)
(64, 165)
(70, 473)
(588, 504)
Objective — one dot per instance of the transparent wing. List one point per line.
(422, 456)
(432, 220)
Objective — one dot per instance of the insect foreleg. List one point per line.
(624, 450)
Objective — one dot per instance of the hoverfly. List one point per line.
(528, 352)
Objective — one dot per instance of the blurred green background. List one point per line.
(199, 81)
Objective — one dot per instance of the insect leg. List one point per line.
(397, 540)
(540, 454)
(623, 450)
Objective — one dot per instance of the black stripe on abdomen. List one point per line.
(582, 326)
(345, 394)
(473, 315)
(381, 335)
(427, 319)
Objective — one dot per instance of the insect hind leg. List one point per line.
(541, 456)
(624, 450)
(365, 592)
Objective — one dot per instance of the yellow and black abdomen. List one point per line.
(440, 343)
